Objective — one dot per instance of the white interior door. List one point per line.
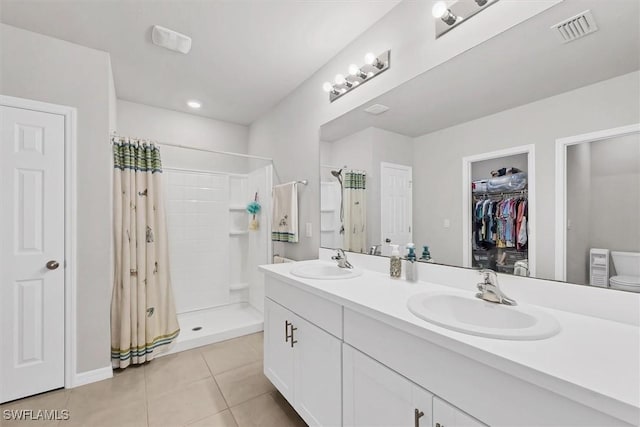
(31, 252)
(396, 202)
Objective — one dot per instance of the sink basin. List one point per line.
(324, 271)
(470, 315)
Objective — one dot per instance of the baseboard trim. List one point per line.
(93, 376)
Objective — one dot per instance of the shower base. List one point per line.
(208, 326)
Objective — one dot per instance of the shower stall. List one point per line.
(213, 253)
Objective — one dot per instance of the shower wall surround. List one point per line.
(198, 225)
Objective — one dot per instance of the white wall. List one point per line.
(603, 105)
(289, 133)
(144, 121)
(578, 212)
(51, 70)
(615, 194)
(162, 125)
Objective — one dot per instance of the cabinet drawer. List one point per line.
(319, 311)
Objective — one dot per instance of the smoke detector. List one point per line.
(170, 39)
(576, 27)
(376, 109)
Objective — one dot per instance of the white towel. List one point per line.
(284, 226)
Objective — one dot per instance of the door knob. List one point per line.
(52, 265)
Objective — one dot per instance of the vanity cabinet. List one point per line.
(446, 415)
(376, 396)
(304, 363)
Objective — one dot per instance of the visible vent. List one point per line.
(376, 109)
(578, 26)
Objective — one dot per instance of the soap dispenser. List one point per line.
(395, 268)
(412, 266)
(426, 256)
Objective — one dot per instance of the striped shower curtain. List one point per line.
(143, 313)
(355, 211)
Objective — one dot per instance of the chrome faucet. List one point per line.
(341, 258)
(490, 291)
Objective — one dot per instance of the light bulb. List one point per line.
(439, 9)
(340, 80)
(327, 87)
(370, 58)
(354, 70)
(194, 104)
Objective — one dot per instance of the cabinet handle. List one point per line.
(286, 330)
(417, 415)
(293, 341)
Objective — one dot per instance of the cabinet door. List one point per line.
(374, 395)
(317, 375)
(278, 354)
(446, 415)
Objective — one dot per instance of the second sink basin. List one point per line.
(474, 316)
(324, 271)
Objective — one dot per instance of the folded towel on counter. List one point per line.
(284, 226)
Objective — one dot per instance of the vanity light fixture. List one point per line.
(373, 66)
(448, 14)
(441, 11)
(356, 71)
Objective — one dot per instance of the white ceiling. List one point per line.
(519, 66)
(246, 55)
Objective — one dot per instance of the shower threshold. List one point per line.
(211, 325)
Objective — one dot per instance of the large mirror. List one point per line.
(521, 155)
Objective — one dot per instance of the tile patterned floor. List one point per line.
(220, 385)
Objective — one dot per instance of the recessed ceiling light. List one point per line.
(194, 104)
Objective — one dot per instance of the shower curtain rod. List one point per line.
(207, 150)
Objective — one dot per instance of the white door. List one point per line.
(446, 415)
(317, 374)
(31, 253)
(278, 354)
(396, 201)
(376, 396)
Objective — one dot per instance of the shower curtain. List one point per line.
(143, 314)
(355, 211)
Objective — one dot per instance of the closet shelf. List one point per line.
(238, 232)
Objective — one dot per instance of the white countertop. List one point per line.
(592, 361)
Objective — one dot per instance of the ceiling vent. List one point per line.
(376, 109)
(170, 39)
(578, 26)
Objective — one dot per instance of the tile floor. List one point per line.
(218, 385)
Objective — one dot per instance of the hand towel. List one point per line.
(284, 227)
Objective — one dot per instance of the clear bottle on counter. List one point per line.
(395, 263)
(411, 272)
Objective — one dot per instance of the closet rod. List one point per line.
(207, 150)
(502, 194)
